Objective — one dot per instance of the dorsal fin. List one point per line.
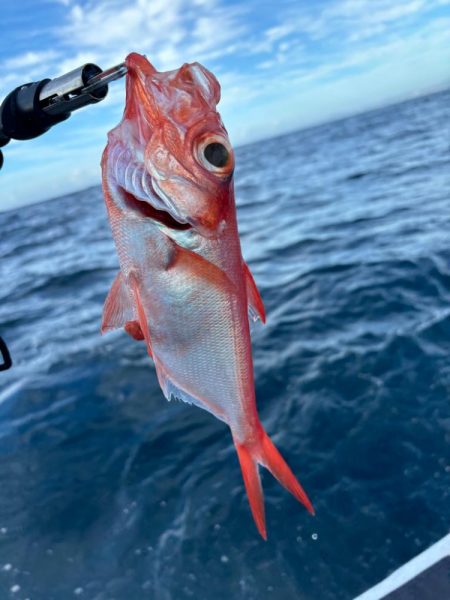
(255, 303)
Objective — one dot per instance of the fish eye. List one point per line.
(215, 154)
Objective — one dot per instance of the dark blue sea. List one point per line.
(108, 492)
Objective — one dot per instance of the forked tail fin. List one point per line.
(262, 451)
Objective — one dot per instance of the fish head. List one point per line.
(172, 126)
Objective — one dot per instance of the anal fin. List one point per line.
(171, 389)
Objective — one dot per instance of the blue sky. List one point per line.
(283, 65)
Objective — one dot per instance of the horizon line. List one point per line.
(255, 141)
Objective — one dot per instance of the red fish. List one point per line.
(183, 285)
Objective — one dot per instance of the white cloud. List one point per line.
(302, 63)
(353, 20)
(382, 10)
(169, 32)
(279, 31)
(7, 82)
(28, 59)
(362, 77)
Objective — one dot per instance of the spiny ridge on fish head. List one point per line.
(174, 152)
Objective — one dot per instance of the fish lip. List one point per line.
(189, 223)
(155, 177)
(167, 202)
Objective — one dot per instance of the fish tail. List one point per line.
(262, 451)
(253, 487)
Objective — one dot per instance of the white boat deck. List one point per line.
(425, 577)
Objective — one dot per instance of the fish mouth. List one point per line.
(142, 193)
(147, 210)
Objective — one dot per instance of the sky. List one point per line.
(283, 65)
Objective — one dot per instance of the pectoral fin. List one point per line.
(134, 330)
(255, 303)
(196, 268)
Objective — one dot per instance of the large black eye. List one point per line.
(216, 154)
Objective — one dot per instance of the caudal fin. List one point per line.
(262, 451)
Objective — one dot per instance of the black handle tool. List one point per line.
(6, 357)
(33, 108)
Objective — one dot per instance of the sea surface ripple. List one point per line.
(109, 492)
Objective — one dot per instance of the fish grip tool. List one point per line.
(33, 108)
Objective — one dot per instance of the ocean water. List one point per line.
(108, 492)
